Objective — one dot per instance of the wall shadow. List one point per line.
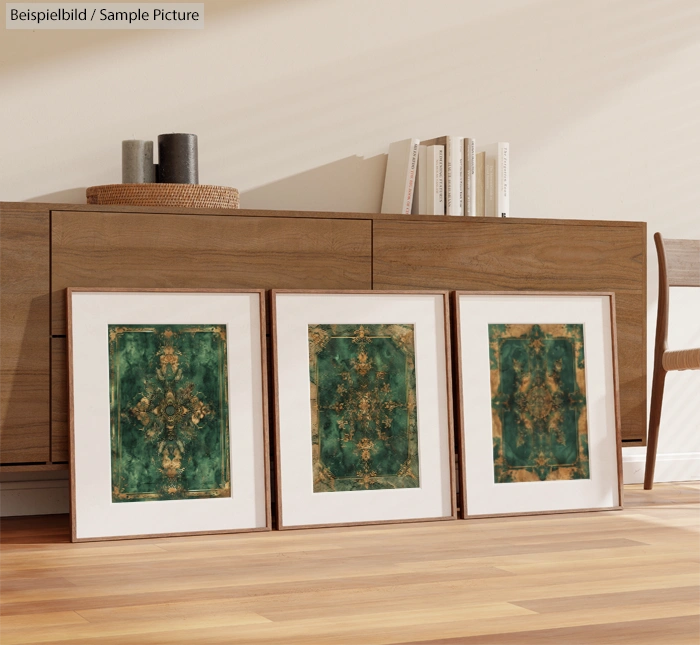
(68, 196)
(41, 46)
(352, 185)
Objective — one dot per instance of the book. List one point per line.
(480, 167)
(400, 177)
(489, 187)
(469, 177)
(497, 179)
(454, 172)
(455, 166)
(420, 193)
(435, 157)
(503, 180)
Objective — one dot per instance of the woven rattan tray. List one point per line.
(187, 195)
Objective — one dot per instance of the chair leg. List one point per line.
(657, 394)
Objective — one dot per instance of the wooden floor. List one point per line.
(626, 576)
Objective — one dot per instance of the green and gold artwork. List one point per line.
(364, 428)
(538, 403)
(168, 412)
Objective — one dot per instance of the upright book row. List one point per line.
(447, 175)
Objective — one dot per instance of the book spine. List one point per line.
(460, 176)
(420, 192)
(434, 180)
(429, 186)
(400, 176)
(439, 203)
(454, 154)
(469, 177)
(503, 180)
(411, 178)
(490, 187)
(480, 168)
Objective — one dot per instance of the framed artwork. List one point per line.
(168, 412)
(537, 399)
(363, 415)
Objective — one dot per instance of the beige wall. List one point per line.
(295, 104)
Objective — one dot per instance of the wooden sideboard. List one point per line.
(45, 248)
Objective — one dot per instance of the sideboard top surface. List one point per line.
(246, 212)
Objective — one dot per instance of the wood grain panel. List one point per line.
(30, 208)
(532, 255)
(490, 255)
(626, 577)
(60, 439)
(24, 320)
(632, 365)
(92, 249)
(683, 262)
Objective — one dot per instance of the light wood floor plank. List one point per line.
(628, 576)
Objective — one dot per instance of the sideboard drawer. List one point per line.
(93, 249)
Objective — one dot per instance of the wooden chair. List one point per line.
(679, 266)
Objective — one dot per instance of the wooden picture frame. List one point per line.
(186, 389)
(356, 488)
(517, 392)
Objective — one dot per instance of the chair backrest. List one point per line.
(682, 262)
(679, 266)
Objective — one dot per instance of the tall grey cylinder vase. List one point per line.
(177, 159)
(137, 162)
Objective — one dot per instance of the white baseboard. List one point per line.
(671, 467)
(52, 496)
(45, 497)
